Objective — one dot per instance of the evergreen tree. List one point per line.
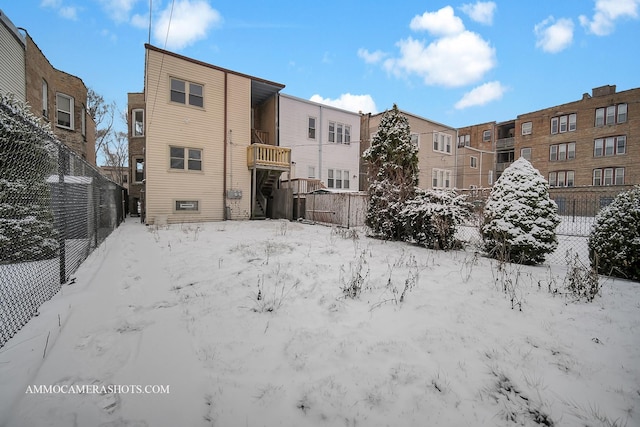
(614, 242)
(519, 218)
(26, 221)
(393, 174)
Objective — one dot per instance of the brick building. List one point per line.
(136, 133)
(55, 96)
(590, 142)
(475, 157)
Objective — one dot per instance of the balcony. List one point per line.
(505, 143)
(263, 156)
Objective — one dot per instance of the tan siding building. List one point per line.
(199, 124)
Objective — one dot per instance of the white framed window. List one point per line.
(562, 124)
(611, 115)
(486, 136)
(526, 153)
(441, 178)
(137, 121)
(339, 133)
(187, 205)
(474, 162)
(183, 158)
(332, 131)
(622, 113)
(442, 142)
(45, 98)
(608, 176)
(337, 178)
(526, 128)
(64, 111)
(611, 146)
(311, 173)
(347, 134)
(181, 88)
(311, 134)
(562, 178)
(559, 152)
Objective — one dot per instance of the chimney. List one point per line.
(604, 90)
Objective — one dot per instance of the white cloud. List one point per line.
(481, 11)
(140, 21)
(349, 102)
(440, 23)
(554, 36)
(482, 95)
(449, 61)
(607, 12)
(189, 22)
(118, 10)
(371, 57)
(69, 12)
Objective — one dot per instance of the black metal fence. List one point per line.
(55, 209)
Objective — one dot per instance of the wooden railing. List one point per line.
(260, 136)
(303, 185)
(268, 156)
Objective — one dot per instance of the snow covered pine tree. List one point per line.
(393, 174)
(519, 218)
(614, 242)
(26, 222)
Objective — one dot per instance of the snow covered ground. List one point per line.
(432, 338)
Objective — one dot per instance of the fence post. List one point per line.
(61, 193)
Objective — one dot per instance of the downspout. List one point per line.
(320, 145)
(224, 162)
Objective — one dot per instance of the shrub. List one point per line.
(519, 218)
(431, 218)
(614, 242)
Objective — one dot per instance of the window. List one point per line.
(608, 176)
(187, 205)
(347, 134)
(311, 172)
(64, 111)
(312, 128)
(474, 162)
(611, 115)
(622, 113)
(179, 93)
(441, 178)
(442, 142)
(615, 145)
(526, 128)
(562, 124)
(562, 178)
(138, 123)
(415, 140)
(179, 154)
(332, 132)
(566, 151)
(339, 133)
(125, 178)
(337, 178)
(490, 178)
(464, 141)
(139, 170)
(486, 136)
(526, 153)
(45, 99)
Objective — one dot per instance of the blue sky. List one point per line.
(458, 63)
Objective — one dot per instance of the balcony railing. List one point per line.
(505, 143)
(264, 156)
(303, 185)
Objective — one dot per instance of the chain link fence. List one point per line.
(55, 209)
(577, 207)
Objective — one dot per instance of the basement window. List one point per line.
(187, 205)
